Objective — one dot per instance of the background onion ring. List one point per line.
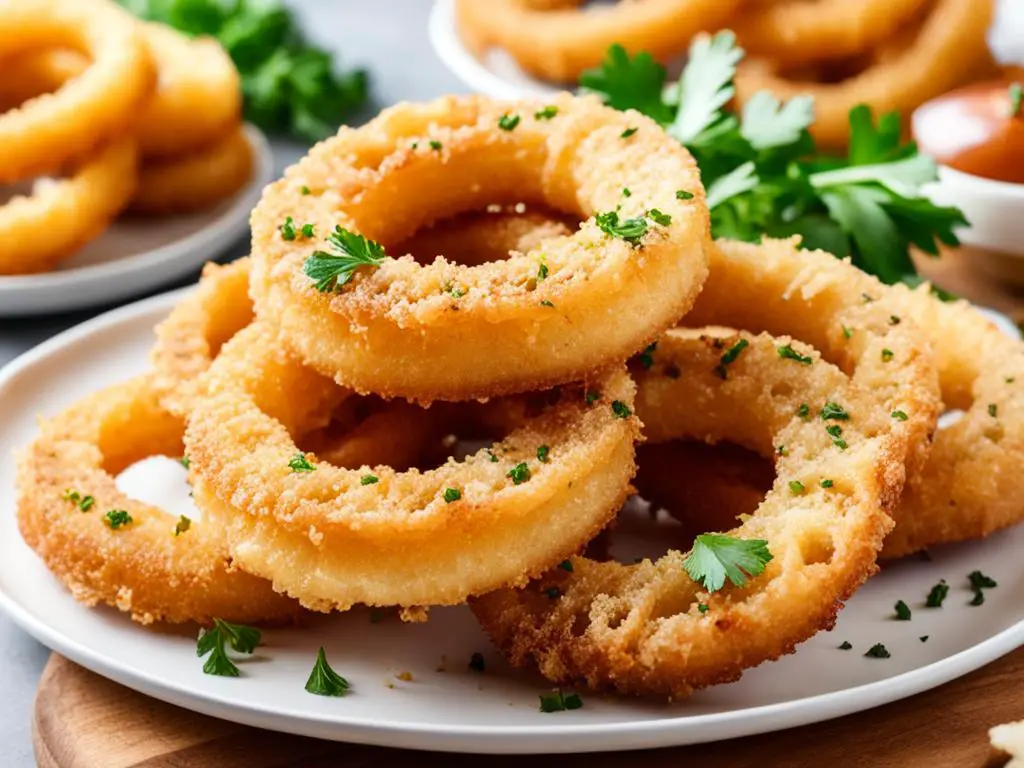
(949, 50)
(331, 541)
(555, 40)
(49, 224)
(143, 568)
(44, 132)
(639, 628)
(609, 298)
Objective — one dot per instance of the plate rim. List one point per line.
(518, 739)
(464, 65)
(148, 269)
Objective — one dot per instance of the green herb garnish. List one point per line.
(117, 518)
(323, 680)
(183, 524)
(937, 595)
(452, 494)
(730, 357)
(620, 410)
(239, 637)
(556, 701)
(508, 122)
(878, 651)
(788, 353)
(716, 557)
(520, 473)
(902, 611)
(351, 251)
(369, 480)
(299, 463)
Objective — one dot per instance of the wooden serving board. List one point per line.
(82, 720)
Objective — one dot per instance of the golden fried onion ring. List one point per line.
(556, 40)
(795, 31)
(331, 539)
(39, 229)
(195, 182)
(142, 568)
(639, 628)
(538, 319)
(42, 133)
(949, 50)
(189, 339)
(964, 487)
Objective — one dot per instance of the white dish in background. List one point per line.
(138, 254)
(497, 75)
(461, 710)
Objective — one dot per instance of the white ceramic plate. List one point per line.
(496, 75)
(136, 255)
(457, 709)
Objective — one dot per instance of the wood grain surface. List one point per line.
(84, 721)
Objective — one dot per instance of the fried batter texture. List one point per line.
(556, 40)
(66, 488)
(640, 629)
(332, 539)
(40, 135)
(571, 305)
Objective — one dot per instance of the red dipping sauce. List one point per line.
(973, 130)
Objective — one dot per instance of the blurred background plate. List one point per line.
(136, 255)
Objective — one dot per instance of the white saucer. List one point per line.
(458, 709)
(136, 255)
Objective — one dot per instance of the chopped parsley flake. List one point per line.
(846, 646)
(788, 353)
(937, 595)
(923, 638)
(87, 503)
(452, 494)
(894, 320)
(304, 190)
(900, 415)
(803, 411)
(117, 518)
(1016, 95)
(556, 701)
(542, 454)
(835, 432)
(185, 462)
(288, 229)
(647, 356)
(902, 611)
(592, 397)
(796, 487)
(659, 218)
(993, 410)
(628, 132)
(520, 473)
(730, 357)
(620, 410)
(702, 607)
(566, 565)
(826, 483)
(476, 662)
(183, 524)
(542, 270)
(626, 192)
(630, 230)
(369, 480)
(847, 333)
(717, 557)
(323, 680)
(546, 303)
(834, 412)
(308, 231)
(436, 145)
(299, 463)
(782, 450)
(491, 456)
(546, 113)
(73, 496)
(979, 583)
(350, 252)
(682, 194)
(508, 122)
(887, 355)
(878, 651)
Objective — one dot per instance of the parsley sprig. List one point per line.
(765, 176)
(323, 680)
(241, 638)
(716, 557)
(351, 251)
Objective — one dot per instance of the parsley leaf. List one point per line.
(331, 271)
(212, 641)
(767, 123)
(625, 82)
(716, 557)
(299, 463)
(630, 230)
(556, 701)
(706, 85)
(323, 680)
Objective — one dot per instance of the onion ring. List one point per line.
(66, 485)
(191, 337)
(198, 98)
(444, 321)
(949, 50)
(556, 40)
(795, 32)
(332, 539)
(964, 487)
(639, 628)
(44, 132)
(196, 182)
(58, 217)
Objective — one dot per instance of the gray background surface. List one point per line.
(387, 36)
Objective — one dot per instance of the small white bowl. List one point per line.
(995, 212)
